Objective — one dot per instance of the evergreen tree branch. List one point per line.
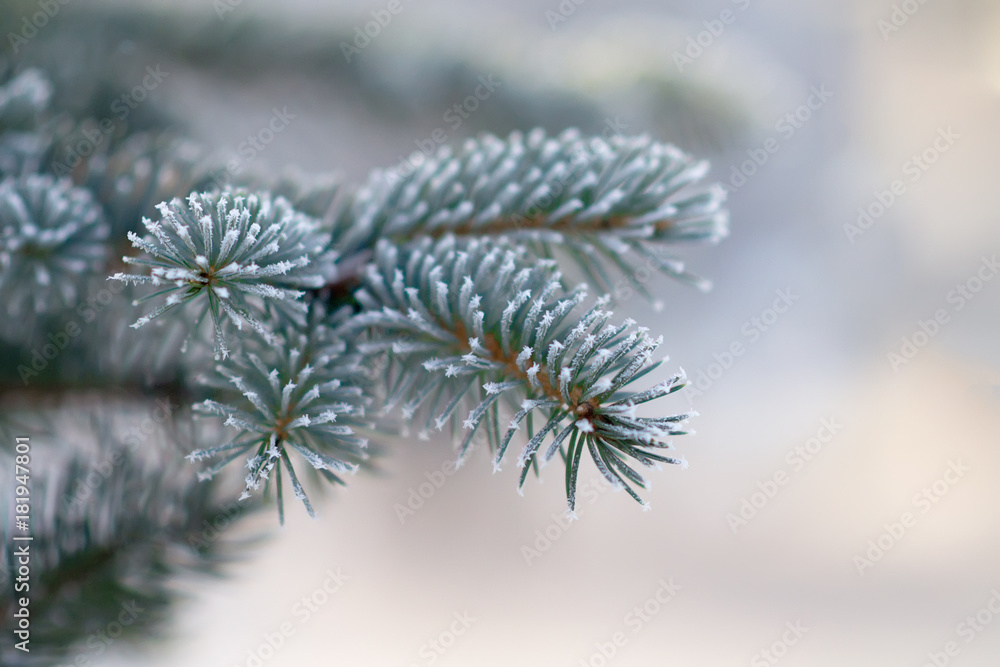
(597, 200)
(242, 257)
(23, 98)
(303, 395)
(468, 323)
(52, 241)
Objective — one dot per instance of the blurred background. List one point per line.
(841, 502)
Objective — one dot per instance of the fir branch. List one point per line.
(300, 396)
(23, 99)
(597, 200)
(52, 239)
(242, 263)
(468, 323)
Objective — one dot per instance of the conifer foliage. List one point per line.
(478, 326)
(447, 275)
(224, 253)
(53, 236)
(452, 272)
(291, 321)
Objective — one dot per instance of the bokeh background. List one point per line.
(841, 546)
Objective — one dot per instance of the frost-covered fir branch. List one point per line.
(241, 257)
(475, 325)
(597, 200)
(495, 328)
(298, 399)
(52, 240)
(23, 98)
(448, 271)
